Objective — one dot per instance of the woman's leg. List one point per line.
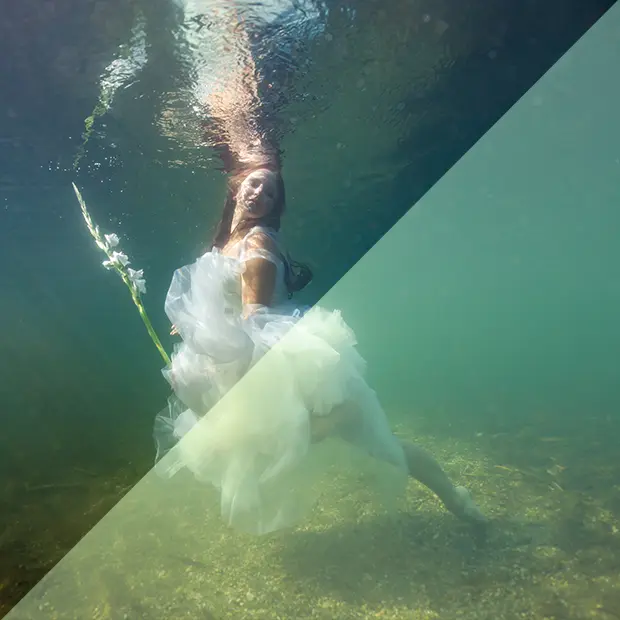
(425, 469)
(422, 466)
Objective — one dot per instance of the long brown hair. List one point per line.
(298, 275)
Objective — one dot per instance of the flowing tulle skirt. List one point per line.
(250, 439)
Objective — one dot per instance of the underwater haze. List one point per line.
(486, 301)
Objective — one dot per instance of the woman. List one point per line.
(232, 309)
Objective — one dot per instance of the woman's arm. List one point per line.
(258, 282)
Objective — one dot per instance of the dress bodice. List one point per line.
(253, 246)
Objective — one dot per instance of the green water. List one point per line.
(488, 316)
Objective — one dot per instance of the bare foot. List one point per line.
(467, 509)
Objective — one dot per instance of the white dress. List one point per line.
(250, 441)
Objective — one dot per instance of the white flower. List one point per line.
(112, 240)
(117, 259)
(137, 279)
(121, 258)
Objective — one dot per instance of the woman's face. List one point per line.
(258, 192)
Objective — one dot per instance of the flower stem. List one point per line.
(147, 322)
(94, 231)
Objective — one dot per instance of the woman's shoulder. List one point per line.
(258, 242)
(263, 238)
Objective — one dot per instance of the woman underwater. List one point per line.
(232, 307)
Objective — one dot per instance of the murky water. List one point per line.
(511, 376)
